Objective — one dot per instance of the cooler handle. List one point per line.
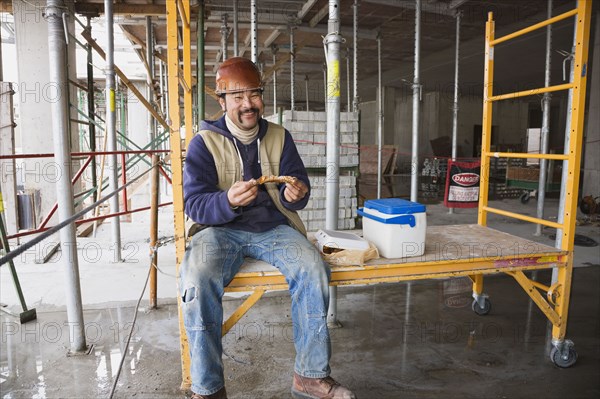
(401, 219)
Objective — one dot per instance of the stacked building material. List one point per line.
(309, 130)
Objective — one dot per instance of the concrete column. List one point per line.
(34, 96)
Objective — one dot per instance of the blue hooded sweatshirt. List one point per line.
(206, 204)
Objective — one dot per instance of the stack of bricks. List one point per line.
(309, 130)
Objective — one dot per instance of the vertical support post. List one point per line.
(292, 71)
(332, 42)
(161, 83)
(541, 194)
(177, 168)
(379, 116)
(236, 46)
(348, 103)
(200, 65)
(187, 75)
(486, 125)
(154, 189)
(455, 102)
(111, 130)
(254, 31)
(62, 156)
(150, 80)
(274, 50)
(355, 57)
(414, 174)
(306, 90)
(91, 109)
(224, 32)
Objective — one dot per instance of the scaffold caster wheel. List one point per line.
(481, 311)
(525, 197)
(563, 361)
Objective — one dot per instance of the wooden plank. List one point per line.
(446, 244)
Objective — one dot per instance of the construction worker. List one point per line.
(233, 217)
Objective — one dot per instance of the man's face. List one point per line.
(243, 108)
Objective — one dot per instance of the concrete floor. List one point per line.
(406, 340)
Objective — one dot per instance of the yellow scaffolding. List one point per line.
(481, 250)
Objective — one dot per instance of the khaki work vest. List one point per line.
(229, 168)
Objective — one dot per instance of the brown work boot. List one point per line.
(319, 388)
(220, 394)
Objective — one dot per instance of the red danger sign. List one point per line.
(466, 179)
(462, 184)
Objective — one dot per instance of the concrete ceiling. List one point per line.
(394, 20)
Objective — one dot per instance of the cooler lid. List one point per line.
(396, 206)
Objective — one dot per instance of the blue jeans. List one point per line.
(213, 258)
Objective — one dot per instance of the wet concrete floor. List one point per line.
(404, 340)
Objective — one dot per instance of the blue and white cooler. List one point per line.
(396, 226)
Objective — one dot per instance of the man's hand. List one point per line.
(295, 192)
(242, 193)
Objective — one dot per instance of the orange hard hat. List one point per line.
(237, 74)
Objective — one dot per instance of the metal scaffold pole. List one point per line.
(150, 82)
(455, 103)
(355, 56)
(253, 31)
(111, 131)
(414, 172)
(541, 197)
(91, 109)
(379, 116)
(224, 33)
(332, 42)
(62, 156)
(274, 50)
(292, 71)
(200, 65)
(236, 45)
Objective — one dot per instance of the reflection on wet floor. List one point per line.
(410, 340)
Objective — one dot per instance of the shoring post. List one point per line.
(154, 189)
(111, 131)
(254, 31)
(543, 176)
(332, 42)
(379, 116)
(292, 71)
(274, 51)
(348, 103)
(224, 33)
(306, 90)
(455, 102)
(62, 156)
(91, 109)
(200, 65)
(150, 80)
(355, 56)
(187, 76)
(414, 173)
(236, 46)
